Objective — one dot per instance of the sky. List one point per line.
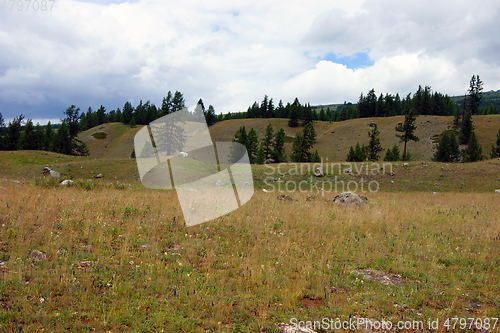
(231, 53)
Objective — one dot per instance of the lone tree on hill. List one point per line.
(407, 129)
(374, 146)
(475, 96)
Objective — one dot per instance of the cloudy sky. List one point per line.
(231, 53)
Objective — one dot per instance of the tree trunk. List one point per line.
(404, 153)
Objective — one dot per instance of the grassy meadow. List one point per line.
(120, 258)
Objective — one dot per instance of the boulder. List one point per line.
(38, 256)
(497, 191)
(284, 198)
(379, 276)
(99, 176)
(53, 174)
(67, 182)
(350, 199)
(319, 172)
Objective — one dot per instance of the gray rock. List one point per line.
(99, 176)
(53, 174)
(319, 172)
(38, 256)
(350, 199)
(497, 191)
(67, 182)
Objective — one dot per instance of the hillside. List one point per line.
(116, 140)
(335, 139)
(112, 140)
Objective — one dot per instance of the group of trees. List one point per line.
(270, 149)
(23, 135)
(35, 137)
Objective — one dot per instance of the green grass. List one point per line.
(99, 135)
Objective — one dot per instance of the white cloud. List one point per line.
(232, 53)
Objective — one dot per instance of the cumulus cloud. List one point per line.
(231, 53)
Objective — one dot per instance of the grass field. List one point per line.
(120, 258)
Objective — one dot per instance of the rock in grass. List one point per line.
(283, 197)
(379, 276)
(99, 176)
(38, 256)
(350, 199)
(67, 182)
(497, 191)
(319, 172)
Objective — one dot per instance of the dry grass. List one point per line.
(262, 264)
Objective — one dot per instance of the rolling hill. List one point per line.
(115, 140)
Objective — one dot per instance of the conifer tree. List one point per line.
(374, 146)
(474, 151)
(267, 142)
(495, 151)
(278, 151)
(447, 149)
(27, 140)
(466, 129)
(407, 129)
(252, 145)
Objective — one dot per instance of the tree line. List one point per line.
(22, 134)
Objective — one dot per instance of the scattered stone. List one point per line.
(284, 197)
(144, 246)
(497, 191)
(312, 197)
(85, 263)
(379, 276)
(319, 172)
(350, 199)
(219, 183)
(266, 191)
(99, 176)
(405, 164)
(391, 174)
(288, 328)
(67, 182)
(38, 256)
(435, 193)
(87, 247)
(472, 305)
(53, 174)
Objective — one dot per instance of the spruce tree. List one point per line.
(47, 137)
(278, 152)
(252, 145)
(27, 140)
(495, 151)
(388, 155)
(132, 122)
(466, 129)
(267, 142)
(293, 120)
(443, 147)
(357, 154)
(374, 146)
(474, 151)
(13, 134)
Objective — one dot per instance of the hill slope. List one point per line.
(115, 140)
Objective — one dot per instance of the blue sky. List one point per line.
(232, 53)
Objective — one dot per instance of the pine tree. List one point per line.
(475, 94)
(27, 140)
(278, 152)
(241, 136)
(392, 155)
(388, 155)
(466, 129)
(474, 151)
(322, 115)
(374, 146)
(132, 122)
(443, 147)
(298, 148)
(61, 142)
(210, 116)
(357, 154)
(252, 145)
(294, 116)
(495, 151)
(267, 142)
(13, 134)
(407, 129)
(315, 158)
